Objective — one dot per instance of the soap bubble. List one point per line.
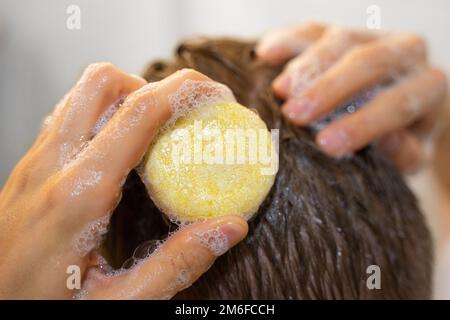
(215, 240)
(107, 115)
(91, 236)
(143, 251)
(193, 94)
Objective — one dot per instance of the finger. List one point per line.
(321, 55)
(71, 124)
(177, 264)
(425, 125)
(100, 86)
(282, 44)
(95, 178)
(391, 110)
(124, 140)
(359, 69)
(403, 149)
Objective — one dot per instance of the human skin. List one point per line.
(70, 178)
(44, 205)
(327, 65)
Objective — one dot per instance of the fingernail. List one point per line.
(223, 234)
(334, 142)
(299, 110)
(235, 229)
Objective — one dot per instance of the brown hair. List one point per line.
(323, 224)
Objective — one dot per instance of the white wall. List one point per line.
(40, 58)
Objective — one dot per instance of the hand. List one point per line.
(329, 65)
(56, 205)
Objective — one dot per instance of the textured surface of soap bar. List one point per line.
(216, 160)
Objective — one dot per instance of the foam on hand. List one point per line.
(211, 161)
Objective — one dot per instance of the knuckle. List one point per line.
(191, 74)
(440, 77)
(182, 261)
(440, 92)
(341, 41)
(56, 191)
(198, 255)
(312, 24)
(335, 31)
(293, 65)
(416, 40)
(89, 191)
(143, 95)
(415, 45)
(311, 27)
(360, 53)
(101, 194)
(410, 107)
(183, 271)
(341, 35)
(100, 68)
(100, 71)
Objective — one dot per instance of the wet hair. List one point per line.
(324, 222)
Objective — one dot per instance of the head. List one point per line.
(324, 222)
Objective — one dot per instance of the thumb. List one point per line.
(175, 265)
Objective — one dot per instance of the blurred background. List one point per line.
(41, 58)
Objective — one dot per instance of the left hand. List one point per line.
(57, 203)
(329, 65)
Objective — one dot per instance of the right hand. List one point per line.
(327, 65)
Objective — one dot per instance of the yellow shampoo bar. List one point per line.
(216, 160)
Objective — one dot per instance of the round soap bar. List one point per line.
(215, 160)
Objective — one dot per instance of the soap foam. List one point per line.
(91, 236)
(193, 94)
(149, 277)
(80, 294)
(121, 128)
(81, 97)
(76, 104)
(354, 104)
(215, 240)
(182, 280)
(86, 179)
(67, 152)
(107, 115)
(142, 252)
